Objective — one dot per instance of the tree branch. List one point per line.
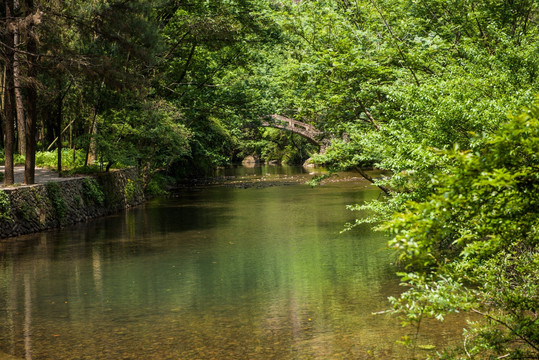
(509, 327)
(369, 116)
(372, 181)
(396, 40)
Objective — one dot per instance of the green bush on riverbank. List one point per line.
(473, 245)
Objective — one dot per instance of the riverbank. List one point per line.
(267, 176)
(61, 202)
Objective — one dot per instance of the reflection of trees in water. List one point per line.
(27, 317)
(225, 273)
(18, 283)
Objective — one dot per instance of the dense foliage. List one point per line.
(419, 89)
(473, 244)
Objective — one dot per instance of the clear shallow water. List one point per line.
(216, 273)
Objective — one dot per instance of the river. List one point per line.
(230, 271)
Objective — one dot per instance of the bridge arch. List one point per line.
(307, 131)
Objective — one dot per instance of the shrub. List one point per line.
(50, 158)
(26, 206)
(158, 184)
(131, 189)
(5, 205)
(473, 245)
(57, 201)
(93, 191)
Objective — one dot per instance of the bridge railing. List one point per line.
(293, 124)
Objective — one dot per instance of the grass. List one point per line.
(70, 164)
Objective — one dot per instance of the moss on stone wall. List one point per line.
(29, 209)
(5, 206)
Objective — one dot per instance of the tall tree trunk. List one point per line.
(21, 125)
(91, 149)
(2, 100)
(49, 124)
(91, 153)
(9, 177)
(59, 125)
(31, 119)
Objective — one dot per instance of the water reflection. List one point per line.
(261, 170)
(216, 274)
(27, 317)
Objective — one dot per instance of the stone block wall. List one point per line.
(29, 209)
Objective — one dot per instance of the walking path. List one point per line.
(42, 176)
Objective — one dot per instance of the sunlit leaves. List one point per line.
(478, 233)
(149, 136)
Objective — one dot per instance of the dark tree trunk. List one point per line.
(50, 128)
(91, 150)
(21, 125)
(9, 177)
(31, 119)
(2, 100)
(59, 126)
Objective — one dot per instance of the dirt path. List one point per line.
(43, 176)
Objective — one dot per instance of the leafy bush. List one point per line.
(5, 205)
(275, 144)
(17, 159)
(50, 158)
(141, 129)
(57, 201)
(473, 245)
(131, 189)
(158, 184)
(26, 207)
(93, 191)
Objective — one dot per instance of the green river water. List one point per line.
(216, 272)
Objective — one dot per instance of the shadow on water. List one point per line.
(222, 273)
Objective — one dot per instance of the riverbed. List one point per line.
(221, 270)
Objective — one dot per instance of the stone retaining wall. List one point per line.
(29, 209)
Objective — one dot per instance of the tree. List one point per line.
(473, 244)
(147, 135)
(211, 50)
(403, 79)
(109, 44)
(20, 19)
(407, 81)
(102, 49)
(31, 118)
(9, 94)
(21, 121)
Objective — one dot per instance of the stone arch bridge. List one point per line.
(308, 131)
